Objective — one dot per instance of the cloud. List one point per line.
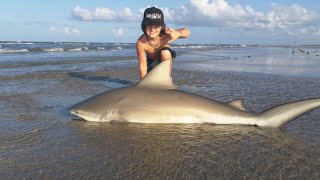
(310, 30)
(219, 13)
(118, 32)
(53, 29)
(66, 30)
(216, 13)
(103, 14)
(71, 31)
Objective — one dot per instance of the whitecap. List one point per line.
(13, 50)
(75, 49)
(54, 50)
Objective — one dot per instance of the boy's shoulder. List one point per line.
(142, 39)
(142, 42)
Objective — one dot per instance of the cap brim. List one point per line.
(153, 23)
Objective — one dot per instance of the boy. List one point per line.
(153, 46)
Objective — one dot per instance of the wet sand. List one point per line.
(39, 139)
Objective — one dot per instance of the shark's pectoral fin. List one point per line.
(237, 104)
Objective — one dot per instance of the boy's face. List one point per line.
(153, 30)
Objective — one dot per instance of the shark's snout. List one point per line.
(85, 114)
(73, 109)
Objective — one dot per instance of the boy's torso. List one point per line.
(151, 52)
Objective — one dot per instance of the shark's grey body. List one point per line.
(156, 100)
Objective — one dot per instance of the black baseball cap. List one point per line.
(153, 16)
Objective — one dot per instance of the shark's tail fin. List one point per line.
(282, 114)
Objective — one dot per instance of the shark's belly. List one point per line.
(178, 107)
(182, 116)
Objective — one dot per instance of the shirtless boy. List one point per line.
(153, 46)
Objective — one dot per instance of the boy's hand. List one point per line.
(173, 34)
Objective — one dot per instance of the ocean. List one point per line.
(39, 81)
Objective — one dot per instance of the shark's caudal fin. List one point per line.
(282, 114)
(159, 77)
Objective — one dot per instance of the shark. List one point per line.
(155, 99)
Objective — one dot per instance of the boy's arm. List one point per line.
(176, 34)
(184, 32)
(142, 59)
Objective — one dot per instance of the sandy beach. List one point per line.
(40, 140)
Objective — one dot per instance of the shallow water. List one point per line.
(39, 139)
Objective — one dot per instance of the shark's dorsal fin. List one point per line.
(159, 77)
(237, 104)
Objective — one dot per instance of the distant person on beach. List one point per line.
(153, 46)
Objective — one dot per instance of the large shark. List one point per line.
(155, 99)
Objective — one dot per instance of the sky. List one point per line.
(278, 22)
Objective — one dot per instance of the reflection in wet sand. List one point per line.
(40, 140)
